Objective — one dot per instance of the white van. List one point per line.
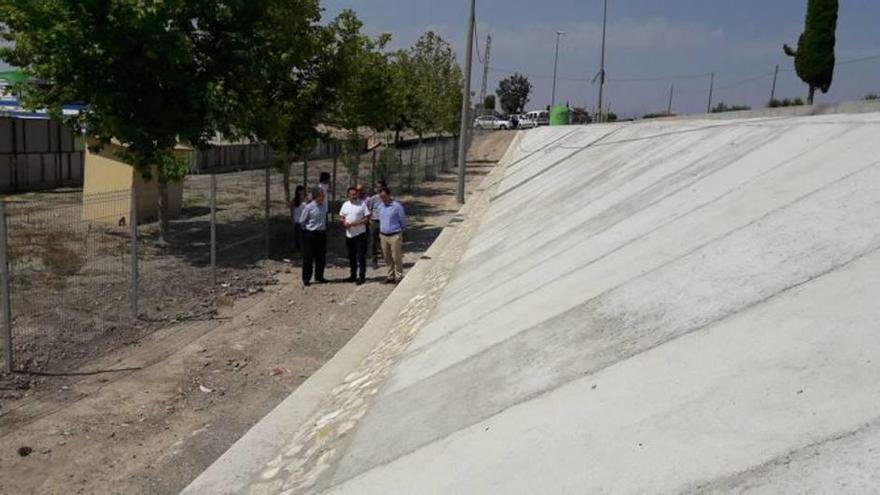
(540, 117)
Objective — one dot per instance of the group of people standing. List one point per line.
(371, 222)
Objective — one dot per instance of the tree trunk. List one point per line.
(163, 212)
(811, 95)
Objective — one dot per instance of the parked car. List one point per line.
(492, 122)
(525, 122)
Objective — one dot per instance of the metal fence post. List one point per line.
(399, 167)
(268, 212)
(411, 156)
(133, 227)
(306, 172)
(213, 231)
(333, 189)
(373, 170)
(4, 281)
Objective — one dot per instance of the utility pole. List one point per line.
(466, 102)
(601, 75)
(773, 88)
(555, 66)
(711, 90)
(669, 107)
(483, 88)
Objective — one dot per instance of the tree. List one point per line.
(426, 86)
(152, 74)
(814, 57)
(363, 97)
(513, 92)
(489, 103)
(289, 84)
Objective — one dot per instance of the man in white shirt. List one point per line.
(355, 216)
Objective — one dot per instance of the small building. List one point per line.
(106, 174)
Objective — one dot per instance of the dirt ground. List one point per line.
(149, 416)
(71, 276)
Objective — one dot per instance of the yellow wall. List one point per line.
(108, 181)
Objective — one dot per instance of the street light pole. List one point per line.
(555, 65)
(602, 66)
(773, 88)
(465, 103)
(711, 90)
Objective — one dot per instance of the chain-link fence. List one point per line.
(83, 279)
(69, 274)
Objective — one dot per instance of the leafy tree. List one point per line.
(489, 103)
(363, 97)
(152, 74)
(404, 97)
(289, 84)
(513, 93)
(611, 117)
(814, 57)
(426, 84)
(872, 96)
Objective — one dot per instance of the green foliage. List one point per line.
(814, 57)
(872, 96)
(657, 115)
(153, 74)
(489, 103)
(787, 102)
(287, 84)
(513, 93)
(363, 85)
(722, 107)
(611, 117)
(427, 84)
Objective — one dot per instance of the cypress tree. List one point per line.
(814, 57)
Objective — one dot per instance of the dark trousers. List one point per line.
(374, 240)
(297, 237)
(357, 255)
(314, 254)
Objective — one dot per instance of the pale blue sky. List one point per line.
(739, 40)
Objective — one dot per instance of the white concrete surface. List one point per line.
(678, 306)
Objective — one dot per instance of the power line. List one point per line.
(477, 43)
(660, 78)
(860, 59)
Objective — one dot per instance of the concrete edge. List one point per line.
(844, 107)
(233, 471)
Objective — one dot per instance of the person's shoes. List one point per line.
(351, 279)
(306, 284)
(321, 280)
(361, 281)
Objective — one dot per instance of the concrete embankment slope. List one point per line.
(680, 306)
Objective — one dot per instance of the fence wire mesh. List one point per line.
(69, 264)
(76, 272)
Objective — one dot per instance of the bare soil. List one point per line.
(163, 403)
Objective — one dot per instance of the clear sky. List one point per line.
(740, 40)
